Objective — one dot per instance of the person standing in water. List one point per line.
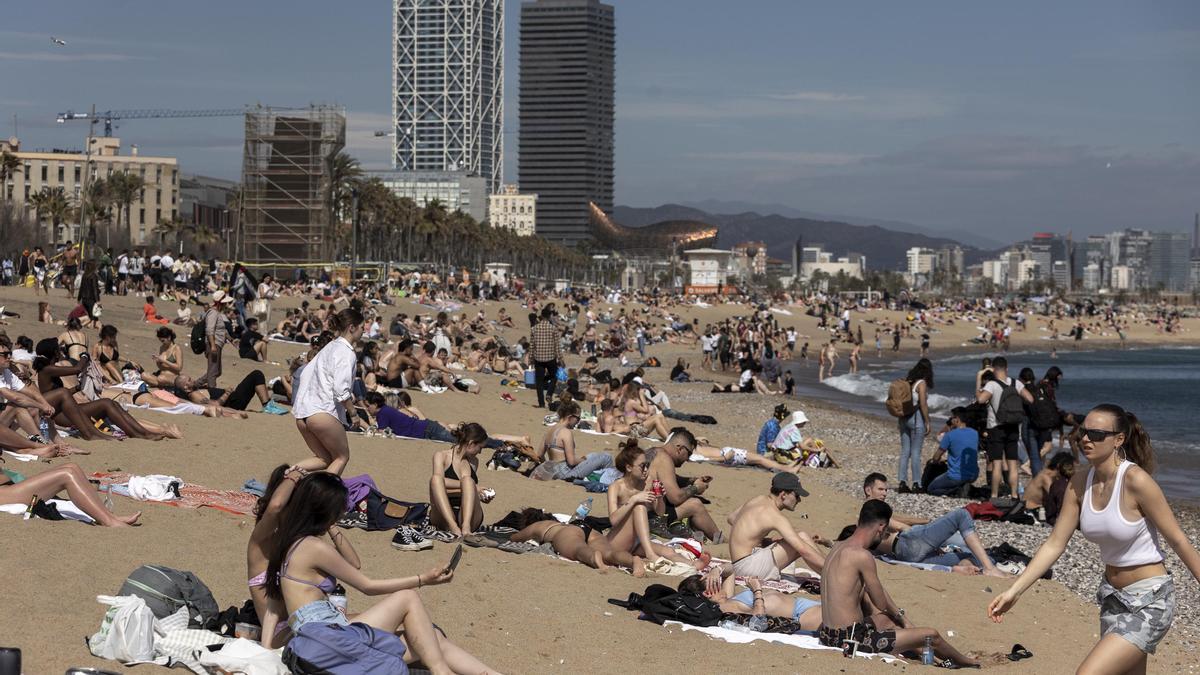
(1118, 506)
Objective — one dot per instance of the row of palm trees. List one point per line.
(393, 228)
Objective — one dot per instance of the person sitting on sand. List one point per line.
(169, 358)
(1044, 493)
(558, 456)
(251, 344)
(926, 544)
(303, 567)
(753, 521)
(150, 312)
(748, 383)
(681, 495)
(454, 489)
(576, 540)
(629, 504)
(875, 486)
(961, 447)
(850, 575)
(770, 429)
(71, 479)
(755, 600)
(611, 422)
(790, 444)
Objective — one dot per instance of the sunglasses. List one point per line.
(1097, 435)
(6, 354)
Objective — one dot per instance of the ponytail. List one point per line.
(469, 432)
(1137, 445)
(343, 320)
(629, 451)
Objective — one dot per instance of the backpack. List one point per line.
(165, 590)
(386, 513)
(662, 603)
(1011, 407)
(1043, 414)
(899, 401)
(336, 649)
(975, 417)
(198, 337)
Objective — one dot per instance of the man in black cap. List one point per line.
(763, 515)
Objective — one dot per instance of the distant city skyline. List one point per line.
(1001, 120)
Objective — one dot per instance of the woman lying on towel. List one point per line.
(629, 504)
(304, 566)
(576, 541)
(69, 478)
(757, 600)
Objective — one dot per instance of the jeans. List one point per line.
(923, 541)
(544, 375)
(944, 485)
(593, 462)
(434, 431)
(317, 611)
(912, 437)
(1034, 440)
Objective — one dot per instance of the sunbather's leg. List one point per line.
(68, 477)
(70, 415)
(403, 610)
(311, 429)
(104, 407)
(785, 554)
(460, 660)
(700, 519)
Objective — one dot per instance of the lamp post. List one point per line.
(354, 234)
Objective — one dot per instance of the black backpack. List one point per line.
(662, 603)
(1043, 414)
(198, 337)
(1011, 408)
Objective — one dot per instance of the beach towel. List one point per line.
(66, 509)
(739, 637)
(194, 496)
(20, 456)
(921, 566)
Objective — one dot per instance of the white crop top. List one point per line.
(1122, 543)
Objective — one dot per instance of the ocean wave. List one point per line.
(862, 384)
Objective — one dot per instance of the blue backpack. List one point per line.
(334, 649)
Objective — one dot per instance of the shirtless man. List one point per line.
(70, 268)
(402, 369)
(875, 486)
(761, 516)
(681, 502)
(849, 574)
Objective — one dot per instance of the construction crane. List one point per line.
(109, 116)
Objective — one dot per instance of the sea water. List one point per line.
(1161, 386)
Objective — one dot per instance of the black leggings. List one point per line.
(245, 391)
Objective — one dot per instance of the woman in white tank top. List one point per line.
(1120, 508)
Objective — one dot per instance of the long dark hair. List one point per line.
(1137, 442)
(272, 484)
(316, 504)
(343, 320)
(922, 371)
(46, 353)
(469, 432)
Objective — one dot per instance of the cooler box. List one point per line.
(530, 380)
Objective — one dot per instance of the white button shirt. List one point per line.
(323, 383)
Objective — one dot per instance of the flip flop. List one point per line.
(479, 541)
(1019, 652)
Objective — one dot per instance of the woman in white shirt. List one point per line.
(322, 397)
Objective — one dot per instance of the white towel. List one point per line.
(66, 508)
(21, 457)
(153, 488)
(738, 637)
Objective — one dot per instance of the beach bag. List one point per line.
(336, 649)
(1043, 414)
(198, 337)
(165, 590)
(385, 513)
(899, 401)
(1011, 408)
(259, 307)
(662, 603)
(127, 631)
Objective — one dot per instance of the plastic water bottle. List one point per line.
(338, 598)
(734, 626)
(585, 507)
(44, 427)
(927, 656)
(108, 502)
(757, 623)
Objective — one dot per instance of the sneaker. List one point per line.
(273, 408)
(903, 488)
(408, 539)
(508, 397)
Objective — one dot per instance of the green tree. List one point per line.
(9, 163)
(344, 176)
(58, 208)
(126, 188)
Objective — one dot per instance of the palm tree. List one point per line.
(39, 201)
(171, 225)
(344, 175)
(58, 207)
(204, 237)
(126, 188)
(98, 206)
(9, 163)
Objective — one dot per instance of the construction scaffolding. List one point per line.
(286, 181)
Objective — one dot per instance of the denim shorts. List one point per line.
(317, 611)
(1141, 612)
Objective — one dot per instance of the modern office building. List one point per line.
(50, 169)
(513, 210)
(457, 191)
(448, 87)
(565, 152)
(207, 202)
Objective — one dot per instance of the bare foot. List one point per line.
(639, 567)
(598, 562)
(993, 572)
(965, 570)
(63, 450)
(172, 431)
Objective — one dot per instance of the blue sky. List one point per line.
(997, 118)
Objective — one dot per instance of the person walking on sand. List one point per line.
(855, 355)
(322, 398)
(1118, 506)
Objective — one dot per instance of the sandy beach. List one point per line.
(530, 613)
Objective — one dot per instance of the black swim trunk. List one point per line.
(869, 639)
(70, 270)
(1002, 442)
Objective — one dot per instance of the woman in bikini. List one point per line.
(71, 479)
(169, 358)
(73, 340)
(454, 489)
(611, 422)
(559, 459)
(303, 567)
(576, 541)
(107, 356)
(629, 504)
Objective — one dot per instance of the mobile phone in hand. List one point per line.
(455, 558)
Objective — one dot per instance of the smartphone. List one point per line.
(10, 661)
(455, 558)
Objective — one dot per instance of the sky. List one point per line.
(1000, 119)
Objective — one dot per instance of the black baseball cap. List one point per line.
(788, 482)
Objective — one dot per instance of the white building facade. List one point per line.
(512, 210)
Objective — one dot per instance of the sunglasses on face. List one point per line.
(1097, 435)
(6, 354)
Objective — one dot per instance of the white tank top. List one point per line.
(1122, 543)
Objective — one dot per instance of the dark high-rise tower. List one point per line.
(565, 149)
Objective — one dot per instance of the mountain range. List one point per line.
(882, 242)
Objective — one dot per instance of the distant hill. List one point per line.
(885, 248)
